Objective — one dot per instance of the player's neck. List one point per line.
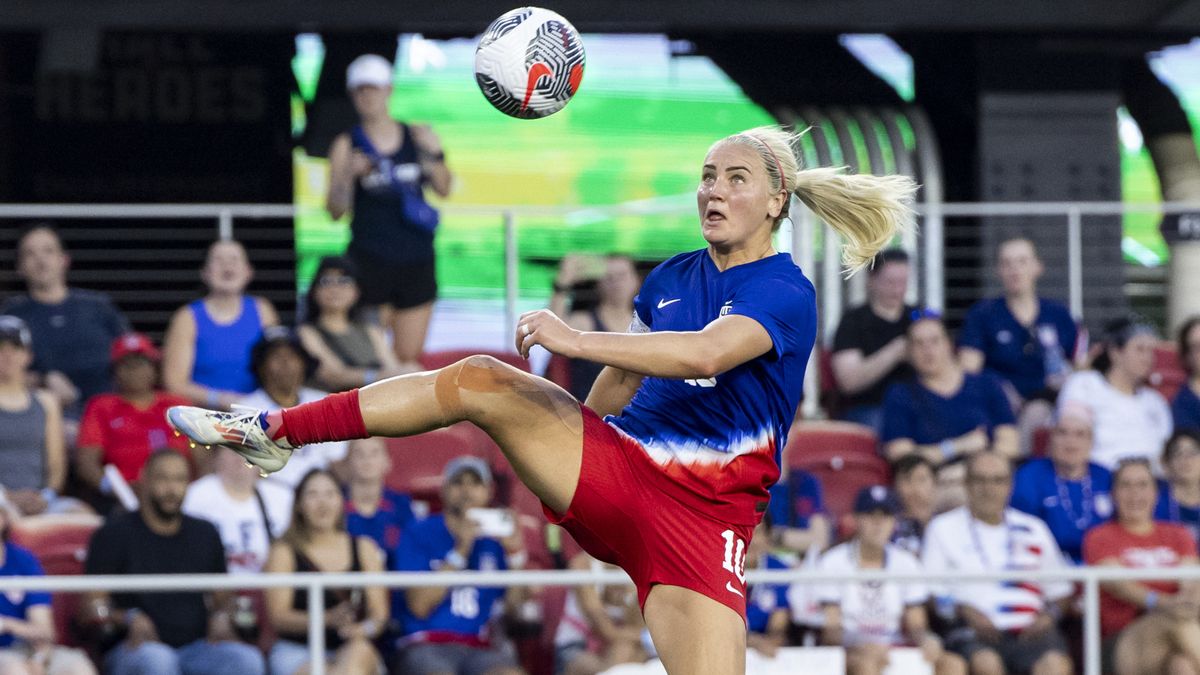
(732, 257)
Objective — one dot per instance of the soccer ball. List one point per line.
(529, 63)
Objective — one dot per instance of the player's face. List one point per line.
(734, 197)
(41, 260)
(321, 503)
(369, 460)
(227, 269)
(14, 360)
(1071, 442)
(889, 284)
(875, 528)
(135, 375)
(1134, 493)
(1185, 460)
(1019, 267)
(282, 369)
(1136, 358)
(929, 347)
(335, 291)
(165, 482)
(370, 100)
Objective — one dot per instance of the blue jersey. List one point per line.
(1185, 409)
(1068, 507)
(465, 611)
(719, 438)
(1023, 355)
(1170, 510)
(912, 411)
(796, 499)
(765, 599)
(15, 604)
(392, 515)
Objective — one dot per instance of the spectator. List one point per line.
(208, 342)
(914, 480)
(281, 365)
(1179, 495)
(768, 612)
(378, 170)
(317, 541)
(944, 412)
(1065, 490)
(372, 509)
(72, 328)
(796, 512)
(26, 624)
(446, 629)
(601, 626)
(1185, 409)
(1007, 627)
(124, 428)
(1132, 419)
(617, 284)
(249, 513)
(951, 480)
(1148, 626)
(350, 352)
(167, 632)
(870, 618)
(870, 348)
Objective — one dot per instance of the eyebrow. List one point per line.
(730, 168)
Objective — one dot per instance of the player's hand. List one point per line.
(543, 328)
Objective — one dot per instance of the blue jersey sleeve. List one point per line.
(999, 410)
(973, 329)
(1025, 493)
(786, 310)
(898, 418)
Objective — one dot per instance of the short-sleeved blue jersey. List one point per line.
(1017, 353)
(19, 562)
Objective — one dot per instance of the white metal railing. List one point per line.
(316, 583)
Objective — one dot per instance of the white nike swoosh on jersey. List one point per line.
(664, 303)
(729, 587)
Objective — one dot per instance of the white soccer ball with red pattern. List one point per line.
(529, 63)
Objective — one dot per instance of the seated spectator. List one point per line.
(124, 428)
(616, 283)
(350, 352)
(945, 411)
(1132, 419)
(1027, 341)
(317, 541)
(870, 348)
(72, 328)
(796, 512)
(249, 513)
(1007, 627)
(1148, 626)
(951, 482)
(601, 626)
(1179, 495)
(280, 365)
(207, 346)
(445, 629)
(165, 632)
(1065, 490)
(26, 623)
(372, 509)
(870, 618)
(768, 611)
(1185, 409)
(915, 484)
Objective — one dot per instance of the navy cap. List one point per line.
(876, 498)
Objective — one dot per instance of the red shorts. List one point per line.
(623, 513)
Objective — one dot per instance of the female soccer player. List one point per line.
(697, 396)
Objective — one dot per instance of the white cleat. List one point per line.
(243, 431)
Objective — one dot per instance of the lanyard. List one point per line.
(1064, 499)
(978, 543)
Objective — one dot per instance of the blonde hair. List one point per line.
(867, 210)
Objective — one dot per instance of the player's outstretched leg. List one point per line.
(694, 633)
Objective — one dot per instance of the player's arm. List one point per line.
(612, 391)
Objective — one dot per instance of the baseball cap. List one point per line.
(14, 331)
(467, 463)
(368, 69)
(876, 498)
(131, 344)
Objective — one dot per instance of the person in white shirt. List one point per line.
(870, 618)
(249, 513)
(1132, 420)
(1007, 627)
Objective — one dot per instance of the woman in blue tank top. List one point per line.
(206, 355)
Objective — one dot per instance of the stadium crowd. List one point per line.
(1015, 446)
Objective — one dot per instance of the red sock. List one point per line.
(334, 418)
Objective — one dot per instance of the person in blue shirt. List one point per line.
(945, 411)
(797, 512)
(1179, 494)
(665, 469)
(1185, 408)
(1068, 492)
(373, 509)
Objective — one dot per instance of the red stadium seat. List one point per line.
(418, 461)
(60, 543)
(844, 458)
(1168, 374)
(435, 360)
(825, 437)
(1041, 442)
(558, 371)
(830, 397)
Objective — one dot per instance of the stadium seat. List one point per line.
(558, 371)
(60, 543)
(434, 360)
(1168, 374)
(418, 461)
(822, 438)
(830, 397)
(844, 458)
(1041, 442)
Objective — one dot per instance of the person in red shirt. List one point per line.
(1148, 626)
(125, 427)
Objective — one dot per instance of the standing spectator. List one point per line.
(1185, 409)
(796, 512)
(249, 513)
(72, 328)
(378, 171)
(601, 626)
(1132, 419)
(870, 347)
(446, 629)
(1007, 627)
(1065, 490)
(870, 618)
(1179, 495)
(372, 509)
(616, 287)
(125, 427)
(317, 541)
(1149, 626)
(167, 632)
(281, 365)
(945, 411)
(768, 611)
(915, 483)
(350, 352)
(208, 341)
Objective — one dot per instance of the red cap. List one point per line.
(134, 343)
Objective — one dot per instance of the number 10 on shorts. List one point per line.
(735, 555)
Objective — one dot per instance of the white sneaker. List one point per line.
(244, 431)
